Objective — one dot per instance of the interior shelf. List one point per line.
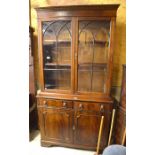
(55, 86)
(92, 66)
(56, 64)
(103, 43)
(67, 42)
(56, 69)
(59, 42)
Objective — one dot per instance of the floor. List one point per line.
(35, 148)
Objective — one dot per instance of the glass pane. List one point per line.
(98, 81)
(57, 54)
(56, 79)
(93, 50)
(84, 77)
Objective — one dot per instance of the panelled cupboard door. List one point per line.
(87, 126)
(57, 125)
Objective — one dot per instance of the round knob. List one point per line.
(80, 106)
(102, 108)
(45, 103)
(64, 104)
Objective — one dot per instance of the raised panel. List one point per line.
(87, 129)
(58, 125)
(87, 122)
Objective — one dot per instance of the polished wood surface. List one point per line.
(108, 7)
(69, 116)
(78, 10)
(69, 121)
(57, 125)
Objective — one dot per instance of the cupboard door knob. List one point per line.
(80, 106)
(45, 103)
(102, 108)
(64, 104)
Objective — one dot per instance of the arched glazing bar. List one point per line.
(52, 31)
(44, 30)
(63, 27)
(98, 36)
(85, 30)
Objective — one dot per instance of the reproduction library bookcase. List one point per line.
(75, 48)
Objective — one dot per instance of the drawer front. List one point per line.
(92, 106)
(50, 103)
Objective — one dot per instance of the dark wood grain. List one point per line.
(71, 118)
(87, 120)
(108, 7)
(58, 125)
(76, 122)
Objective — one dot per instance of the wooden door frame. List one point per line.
(110, 61)
(40, 55)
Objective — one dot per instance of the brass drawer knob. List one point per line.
(45, 103)
(64, 104)
(102, 108)
(80, 106)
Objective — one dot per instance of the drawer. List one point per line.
(92, 106)
(50, 103)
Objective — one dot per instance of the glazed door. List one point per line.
(57, 49)
(93, 56)
(57, 125)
